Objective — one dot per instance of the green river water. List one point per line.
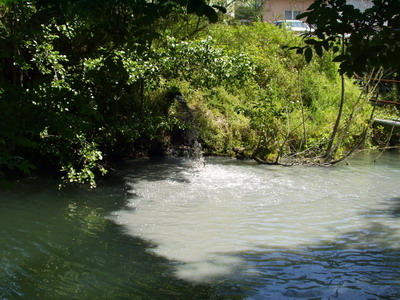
(171, 229)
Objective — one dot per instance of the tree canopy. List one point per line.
(67, 85)
(371, 37)
(83, 82)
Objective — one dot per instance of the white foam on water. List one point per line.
(204, 219)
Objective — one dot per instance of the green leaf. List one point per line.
(303, 15)
(325, 44)
(310, 42)
(195, 6)
(318, 49)
(220, 8)
(211, 14)
(340, 58)
(308, 55)
(6, 2)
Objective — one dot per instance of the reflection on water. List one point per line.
(163, 229)
(60, 245)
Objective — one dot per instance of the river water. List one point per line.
(172, 229)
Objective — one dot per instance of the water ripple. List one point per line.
(246, 221)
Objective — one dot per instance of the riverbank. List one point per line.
(75, 108)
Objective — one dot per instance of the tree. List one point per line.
(248, 10)
(365, 42)
(371, 38)
(67, 97)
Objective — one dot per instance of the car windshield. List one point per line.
(296, 24)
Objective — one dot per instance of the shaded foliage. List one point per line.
(82, 83)
(68, 92)
(371, 37)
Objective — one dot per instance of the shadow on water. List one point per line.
(394, 209)
(358, 264)
(60, 245)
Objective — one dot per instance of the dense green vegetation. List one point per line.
(366, 43)
(83, 84)
(286, 109)
(371, 37)
(71, 86)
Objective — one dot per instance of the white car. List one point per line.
(295, 25)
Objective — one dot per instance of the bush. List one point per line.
(81, 92)
(289, 106)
